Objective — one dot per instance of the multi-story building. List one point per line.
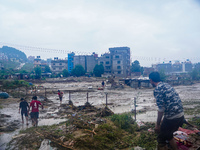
(116, 62)
(105, 60)
(58, 65)
(167, 67)
(188, 65)
(177, 66)
(87, 61)
(70, 61)
(37, 62)
(197, 66)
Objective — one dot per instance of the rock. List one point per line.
(4, 95)
(45, 145)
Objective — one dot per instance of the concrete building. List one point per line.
(167, 67)
(105, 60)
(87, 61)
(116, 62)
(120, 61)
(70, 61)
(58, 65)
(188, 65)
(177, 67)
(37, 62)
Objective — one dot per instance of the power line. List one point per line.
(61, 51)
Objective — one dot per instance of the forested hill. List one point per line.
(13, 54)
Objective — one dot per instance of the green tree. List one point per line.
(65, 73)
(47, 69)
(135, 66)
(38, 72)
(28, 67)
(78, 71)
(195, 74)
(98, 70)
(162, 75)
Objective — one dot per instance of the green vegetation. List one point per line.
(162, 75)
(9, 64)
(38, 72)
(195, 74)
(98, 70)
(47, 69)
(78, 71)
(65, 73)
(124, 121)
(28, 67)
(14, 84)
(13, 54)
(135, 66)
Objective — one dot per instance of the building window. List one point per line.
(107, 67)
(107, 57)
(118, 62)
(117, 56)
(101, 62)
(53, 64)
(107, 62)
(118, 67)
(60, 64)
(119, 72)
(60, 68)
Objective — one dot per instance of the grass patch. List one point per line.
(124, 121)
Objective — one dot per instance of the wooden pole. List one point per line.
(69, 96)
(87, 97)
(35, 90)
(135, 106)
(45, 94)
(106, 99)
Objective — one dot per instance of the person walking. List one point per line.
(170, 106)
(103, 84)
(60, 95)
(34, 105)
(24, 107)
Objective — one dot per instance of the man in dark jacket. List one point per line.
(170, 105)
(24, 109)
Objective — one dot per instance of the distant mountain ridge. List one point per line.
(13, 54)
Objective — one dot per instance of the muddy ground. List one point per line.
(119, 100)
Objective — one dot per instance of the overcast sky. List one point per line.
(155, 30)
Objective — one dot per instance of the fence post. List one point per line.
(45, 95)
(35, 90)
(87, 97)
(135, 106)
(106, 99)
(70, 102)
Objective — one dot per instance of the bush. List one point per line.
(14, 84)
(124, 121)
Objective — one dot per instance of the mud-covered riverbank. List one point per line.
(118, 100)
